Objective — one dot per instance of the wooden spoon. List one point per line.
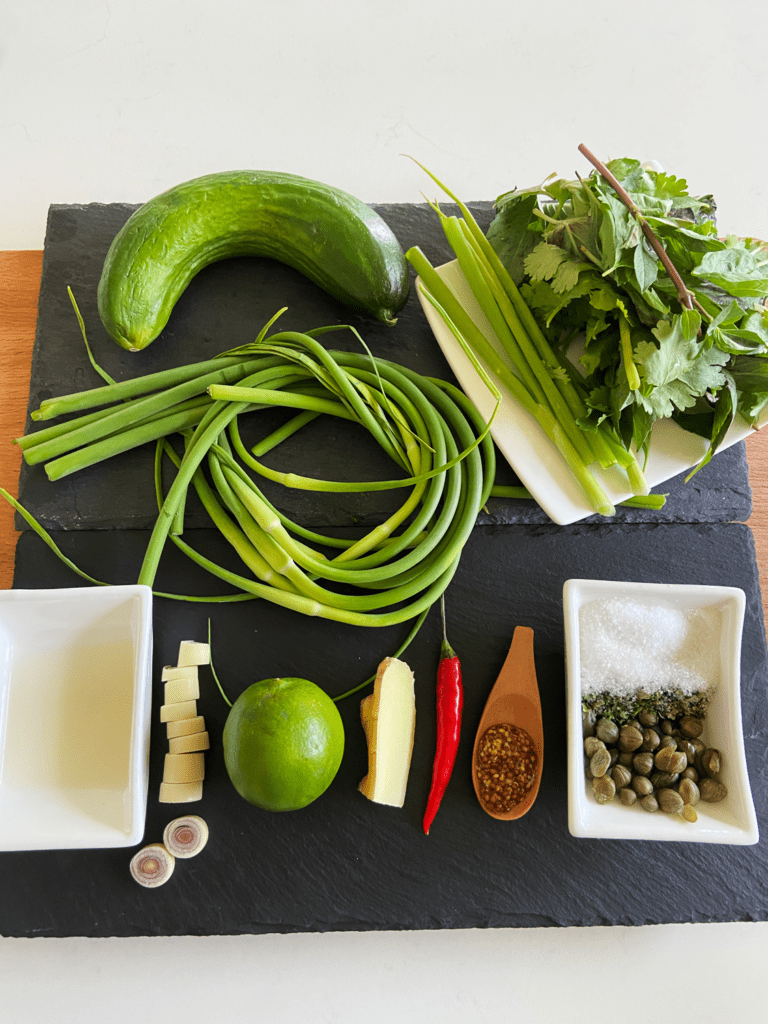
(515, 700)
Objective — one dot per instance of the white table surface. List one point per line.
(116, 100)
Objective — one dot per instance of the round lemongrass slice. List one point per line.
(153, 865)
(185, 837)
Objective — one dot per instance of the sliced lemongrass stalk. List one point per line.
(185, 837)
(153, 865)
(178, 691)
(175, 712)
(178, 672)
(193, 653)
(185, 727)
(179, 768)
(180, 792)
(189, 744)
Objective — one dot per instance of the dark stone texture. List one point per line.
(226, 305)
(346, 864)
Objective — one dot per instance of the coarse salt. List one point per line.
(627, 645)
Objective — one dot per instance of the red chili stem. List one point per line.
(450, 701)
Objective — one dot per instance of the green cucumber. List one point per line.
(332, 238)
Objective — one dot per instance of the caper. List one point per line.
(614, 756)
(651, 739)
(591, 745)
(690, 773)
(662, 780)
(712, 791)
(588, 720)
(625, 758)
(621, 776)
(635, 723)
(641, 785)
(630, 738)
(691, 727)
(689, 813)
(643, 763)
(710, 762)
(666, 727)
(627, 796)
(668, 741)
(689, 791)
(607, 731)
(648, 718)
(604, 789)
(688, 749)
(669, 760)
(600, 762)
(669, 801)
(649, 803)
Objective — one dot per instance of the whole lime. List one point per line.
(283, 743)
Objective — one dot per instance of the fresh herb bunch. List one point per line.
(686, 338)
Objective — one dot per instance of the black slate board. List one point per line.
(226, 305)
(345, 864)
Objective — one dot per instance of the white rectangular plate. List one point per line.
(75, 706)
(526, 447)
(731, 821)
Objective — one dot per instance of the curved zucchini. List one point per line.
(332, 238)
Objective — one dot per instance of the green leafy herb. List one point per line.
(673, 318)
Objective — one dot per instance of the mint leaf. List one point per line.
(510, 233)
(738, 271)
(646, 267)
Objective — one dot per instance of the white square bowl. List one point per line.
(75, 707)
(733, 820)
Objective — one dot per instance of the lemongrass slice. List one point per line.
(388, 716)
(153, 865)
(179, 690)
(175, 712)
(193, 653)
(185, 837)
(189, 744)
(180, 792)
(184, 768)
(185, 727)
(171, 672)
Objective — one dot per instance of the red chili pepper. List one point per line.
(450, 700)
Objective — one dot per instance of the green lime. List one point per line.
(283, 743)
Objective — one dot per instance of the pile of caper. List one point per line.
(659, 763)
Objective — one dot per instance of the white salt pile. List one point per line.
(627, 645)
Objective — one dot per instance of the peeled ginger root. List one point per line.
(389, 721)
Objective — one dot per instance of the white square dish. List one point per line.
(75, 711)
(527, 448)
(731, 821)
